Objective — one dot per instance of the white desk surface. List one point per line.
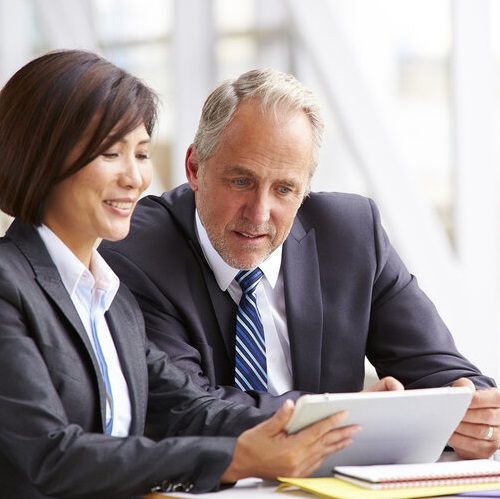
(254, 488)
(249, 488)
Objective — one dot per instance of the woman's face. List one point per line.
(98, 200)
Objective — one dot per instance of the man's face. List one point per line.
(249, 191)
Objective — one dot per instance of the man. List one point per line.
(333, 288)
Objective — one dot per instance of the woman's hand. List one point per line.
(267, 450)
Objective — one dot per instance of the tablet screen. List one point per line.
(411, 426)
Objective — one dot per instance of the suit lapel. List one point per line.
(128, 341)
(304, 306)
(223, 307)
(30, 244)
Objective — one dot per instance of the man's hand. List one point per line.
(267, 451)
(478, 434)
(387, 384)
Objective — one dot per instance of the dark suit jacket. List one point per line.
(52, 397)
(347, 294)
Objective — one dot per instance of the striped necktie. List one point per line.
(250, 372)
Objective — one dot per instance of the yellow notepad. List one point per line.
(404, 481)
(339, 489)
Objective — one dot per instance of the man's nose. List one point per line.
(258, 208)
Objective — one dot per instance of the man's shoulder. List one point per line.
(173, 196)
(158, 223)
(155, 212)
(166, 201)
(337, 216)
(335, 204)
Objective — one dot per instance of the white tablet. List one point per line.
(411, 426)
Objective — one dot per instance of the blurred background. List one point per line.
(410, 91)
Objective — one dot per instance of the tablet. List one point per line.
(398, 427)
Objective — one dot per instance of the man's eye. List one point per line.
(283, 190)
(240, 181)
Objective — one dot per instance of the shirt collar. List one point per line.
(74, 273)
(224, 273)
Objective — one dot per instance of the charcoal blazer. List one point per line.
(347, 295)
(52, 397)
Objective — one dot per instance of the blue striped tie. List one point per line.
(250, 371)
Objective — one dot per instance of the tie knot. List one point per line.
(248, 279)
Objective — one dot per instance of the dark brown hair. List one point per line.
(53, 103)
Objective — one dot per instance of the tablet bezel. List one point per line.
(411, 426)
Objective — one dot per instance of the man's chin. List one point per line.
(245, 262)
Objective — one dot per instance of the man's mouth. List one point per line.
(250, 236)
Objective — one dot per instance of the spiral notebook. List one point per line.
(444, 473)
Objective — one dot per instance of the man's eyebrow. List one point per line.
(241, 170)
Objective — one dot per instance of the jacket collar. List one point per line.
(119, 317)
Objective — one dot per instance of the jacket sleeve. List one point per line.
(407, 338)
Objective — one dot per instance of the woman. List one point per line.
(77, 373)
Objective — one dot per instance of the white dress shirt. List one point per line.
(86, 288)
(270, 302)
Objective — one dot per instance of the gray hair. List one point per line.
(275, 91)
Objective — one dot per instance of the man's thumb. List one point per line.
(465, 382)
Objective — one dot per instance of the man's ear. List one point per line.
(192, 167)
